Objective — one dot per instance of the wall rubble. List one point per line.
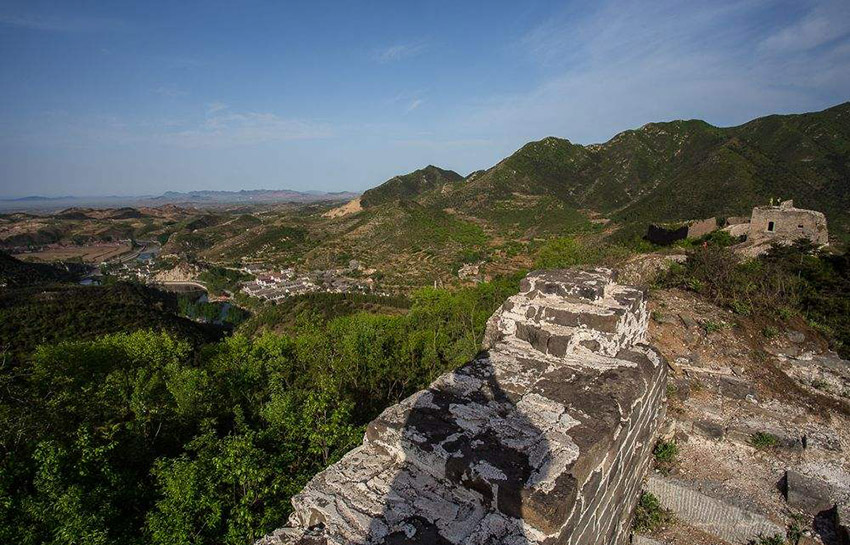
(544, 437)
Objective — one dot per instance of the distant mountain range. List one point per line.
(254, 195)
(260, 196)
(660, 172)
(37, 198)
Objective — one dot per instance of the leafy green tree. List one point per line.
(145, 437)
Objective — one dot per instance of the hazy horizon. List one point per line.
(308, 190)
(155, 195)
(133, 100)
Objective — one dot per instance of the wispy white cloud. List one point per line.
(408, 100)
(415, 103)
(224, 128)
(822, 23)
(220, 128)
(627, 63)
(398, 52)
(71, 24)
(215, 107)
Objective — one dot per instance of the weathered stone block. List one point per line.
(807, 493)
(709, 514)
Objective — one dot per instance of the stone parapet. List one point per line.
(544, 437)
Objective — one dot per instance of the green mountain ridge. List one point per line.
(663, 171)
(410, 185)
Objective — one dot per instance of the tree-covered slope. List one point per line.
(140, 439)
(410, 185)
(16, 273)
(671, 171)
(38, 314)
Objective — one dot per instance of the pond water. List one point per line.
(203, 299)
(151, 251)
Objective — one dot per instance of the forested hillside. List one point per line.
(16, 273)
(147, 437)
(663, 171)
(410, 185)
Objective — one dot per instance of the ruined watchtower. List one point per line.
(786, 223)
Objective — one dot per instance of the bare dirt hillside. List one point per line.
(748, 406)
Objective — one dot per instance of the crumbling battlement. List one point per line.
(544, 437)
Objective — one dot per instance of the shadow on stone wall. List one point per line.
(473, 436)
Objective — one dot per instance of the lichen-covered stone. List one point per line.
(542, 438)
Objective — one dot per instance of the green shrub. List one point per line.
(695, 284)
(763, 440)
(665, 454)
(788, 280)
(741, 308)
(564, 252)
(710, 326)
(649, 515)
(820, 384)
(718, 238)
(219, 279)
(769, 331)
(795, 531)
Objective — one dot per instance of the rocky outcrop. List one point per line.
(544, 437)
(182, 272)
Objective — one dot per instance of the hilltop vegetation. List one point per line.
(16, 273)
(47, 314)
(410, 185)
(318, 308)
(671, 171)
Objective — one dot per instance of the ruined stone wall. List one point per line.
(668, 234)
(699, 228)
(736, 220)
(544, 437)
(789, 224)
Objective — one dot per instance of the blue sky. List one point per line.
(131, 98)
